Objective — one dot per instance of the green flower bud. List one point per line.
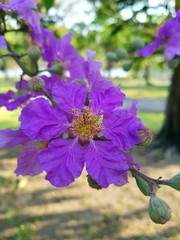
(144, 186)
(111, 57)
(57, 68)
(146, 136)
(159, 211)
(36, 84)
(137, 43)
(92, 183)
(127, 66)
(174, 182)
(121, 53)
(34, 53)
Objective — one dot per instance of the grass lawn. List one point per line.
(145, 92)
(152, 120)
(9, 119)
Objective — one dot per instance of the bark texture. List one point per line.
(169, 135)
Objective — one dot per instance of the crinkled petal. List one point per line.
(123, 179)
(133, 108)
(11, 101)
(105, 163)
(11, 138)
(41, 121)
(66, 51)
(148, 50)
(15, 103)
(69, 95)
(5, 97)
(75, 68)
(93, 74)
(130, 161)
(107, 100)
(28, 162)
(63, 161)
(121, 127)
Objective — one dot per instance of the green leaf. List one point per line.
(48, 4)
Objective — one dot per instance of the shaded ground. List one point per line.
(31, 209)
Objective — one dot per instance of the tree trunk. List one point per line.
(169, 135)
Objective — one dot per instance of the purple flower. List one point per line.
(81, 132)
(61, 50)
(28, 161)
(27, 9)
(93, 74)
(13, 99)
(168, 36)
(2, 42)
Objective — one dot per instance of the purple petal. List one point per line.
(133, 108)
(66, 51)
(76, 69)
(5, 97)
(121, 127)
(63, 161)
(28, 162)
(123, 179)
(108, 100)
(15, 103)
(93, 75)
(69, 95)
(24, 85)
(2, 42)
(148, 50)
(5, 6)
(105, 163)
(130, 161)
(20, 4)
(11, 138)
(11, 101)
(41, 121)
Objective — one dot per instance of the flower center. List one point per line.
(86, 123)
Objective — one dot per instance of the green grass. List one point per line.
(9, 119)
(6, 85)
(145, 92)
(152, 120)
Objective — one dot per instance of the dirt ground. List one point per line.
(31, 209)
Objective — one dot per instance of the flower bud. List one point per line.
(57, 68)
(174, 182)
(111, 57)
(92, 183)
(34, 53)
(159, 211)
(127, 66)
(146, 136)
(36, 84)
(121, 53)
(137, 43)
(144, 186)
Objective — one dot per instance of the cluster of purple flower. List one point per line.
(86, 126)
(168, 37)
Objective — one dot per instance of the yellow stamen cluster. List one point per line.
(86, 123)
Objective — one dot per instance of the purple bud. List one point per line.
(146, 136)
